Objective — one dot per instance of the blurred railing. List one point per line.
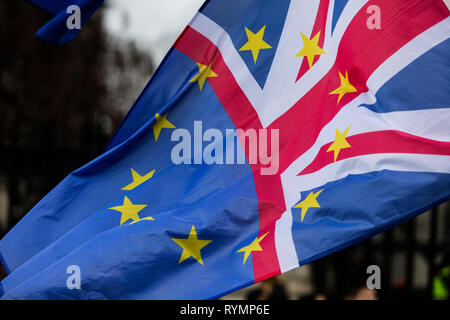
(409, 256)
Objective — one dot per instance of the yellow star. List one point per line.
(309, 202)
(161, 123)
(129, 210)
(254, 246)
(205, 72)
(191, 246)
(137, 179)
(255, 42)
(339, 143)
(310, 48)
(143, 219)
(346, 87)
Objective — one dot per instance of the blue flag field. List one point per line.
(272, 134)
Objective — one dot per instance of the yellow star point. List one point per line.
(143, 219)
(191, 246)
(255, 42)
(345, 87)
(205, 72)
(309, 202)
(137, 179)
(129, 210)
(339, 143)
(310, 48)
(254, 246)
(161, 123)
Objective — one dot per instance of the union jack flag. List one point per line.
(363, 114)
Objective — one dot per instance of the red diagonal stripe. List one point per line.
(360, 52)
(389, 141)
(241, 112)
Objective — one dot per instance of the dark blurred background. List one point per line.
(59, 106)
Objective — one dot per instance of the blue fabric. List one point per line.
(379, 200)
(56, 31)
(52, 6)
(339, 6)
(126, 263)
(3, 263)
(156, 97)
(196, 190)
(224, 14)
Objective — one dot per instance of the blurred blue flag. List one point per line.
(56, 30)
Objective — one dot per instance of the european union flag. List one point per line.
(57, 31)
(148, 222)
(188, 202)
